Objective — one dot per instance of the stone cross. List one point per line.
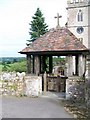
(58, 26)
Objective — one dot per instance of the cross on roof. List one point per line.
(58, 26)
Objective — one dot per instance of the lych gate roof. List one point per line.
(55, 40)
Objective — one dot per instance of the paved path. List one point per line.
(25, 107)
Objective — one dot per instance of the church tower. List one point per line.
(78, 22)
(78, 12)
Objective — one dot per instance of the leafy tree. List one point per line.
(18, 67)
(5, 66)
(38, 26)
(14, 60)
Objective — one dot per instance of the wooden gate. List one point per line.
(56, 83)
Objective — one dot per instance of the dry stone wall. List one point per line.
(75, 88)
(87, 95)
(18, 84)
(78, 90)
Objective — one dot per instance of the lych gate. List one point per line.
(56, 42)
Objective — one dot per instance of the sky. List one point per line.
(15, 16)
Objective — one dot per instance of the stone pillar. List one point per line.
(37, 65)
(87, 74)
(75, 88)
(28, 64)
(69, 66)
(33, 85)
(67, 88)
(45, 82)
(87, 81)
(81, 66)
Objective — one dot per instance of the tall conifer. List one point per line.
(38, 26)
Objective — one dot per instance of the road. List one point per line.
(26, 107)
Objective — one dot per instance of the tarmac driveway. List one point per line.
(25, 107)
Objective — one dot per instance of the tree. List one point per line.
(5, 66)
(38, 26)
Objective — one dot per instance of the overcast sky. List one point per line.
(15, 16)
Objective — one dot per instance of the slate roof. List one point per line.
(56, 40)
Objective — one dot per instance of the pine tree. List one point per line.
(38, 26)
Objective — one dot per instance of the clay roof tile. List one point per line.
(56, 40)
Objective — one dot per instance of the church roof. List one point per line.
(59, 40)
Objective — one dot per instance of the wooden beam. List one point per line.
(28, 64)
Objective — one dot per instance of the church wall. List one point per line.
(89, 15)
(72, 16)
(73, 23)
(89, 27)
(78, 16)
(84, 35)
(89, 38)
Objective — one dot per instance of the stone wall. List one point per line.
(18, 84)
(75, 88)
(33, 85)
(87, 96)
(78, 90)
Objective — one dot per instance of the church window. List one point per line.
(80, 16)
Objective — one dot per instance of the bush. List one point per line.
(18, 67)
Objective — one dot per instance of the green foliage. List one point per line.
(18, 67)
(22, 59)
(58, 61)
(1, 67)
(38, 26)
(5, 66)
(14, 60)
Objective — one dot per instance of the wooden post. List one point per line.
(40, 64)
(50, 64)
(37, 65)
(33, 63)
(58, 84)
(28, 64)
(43, 63)
(76, 63)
